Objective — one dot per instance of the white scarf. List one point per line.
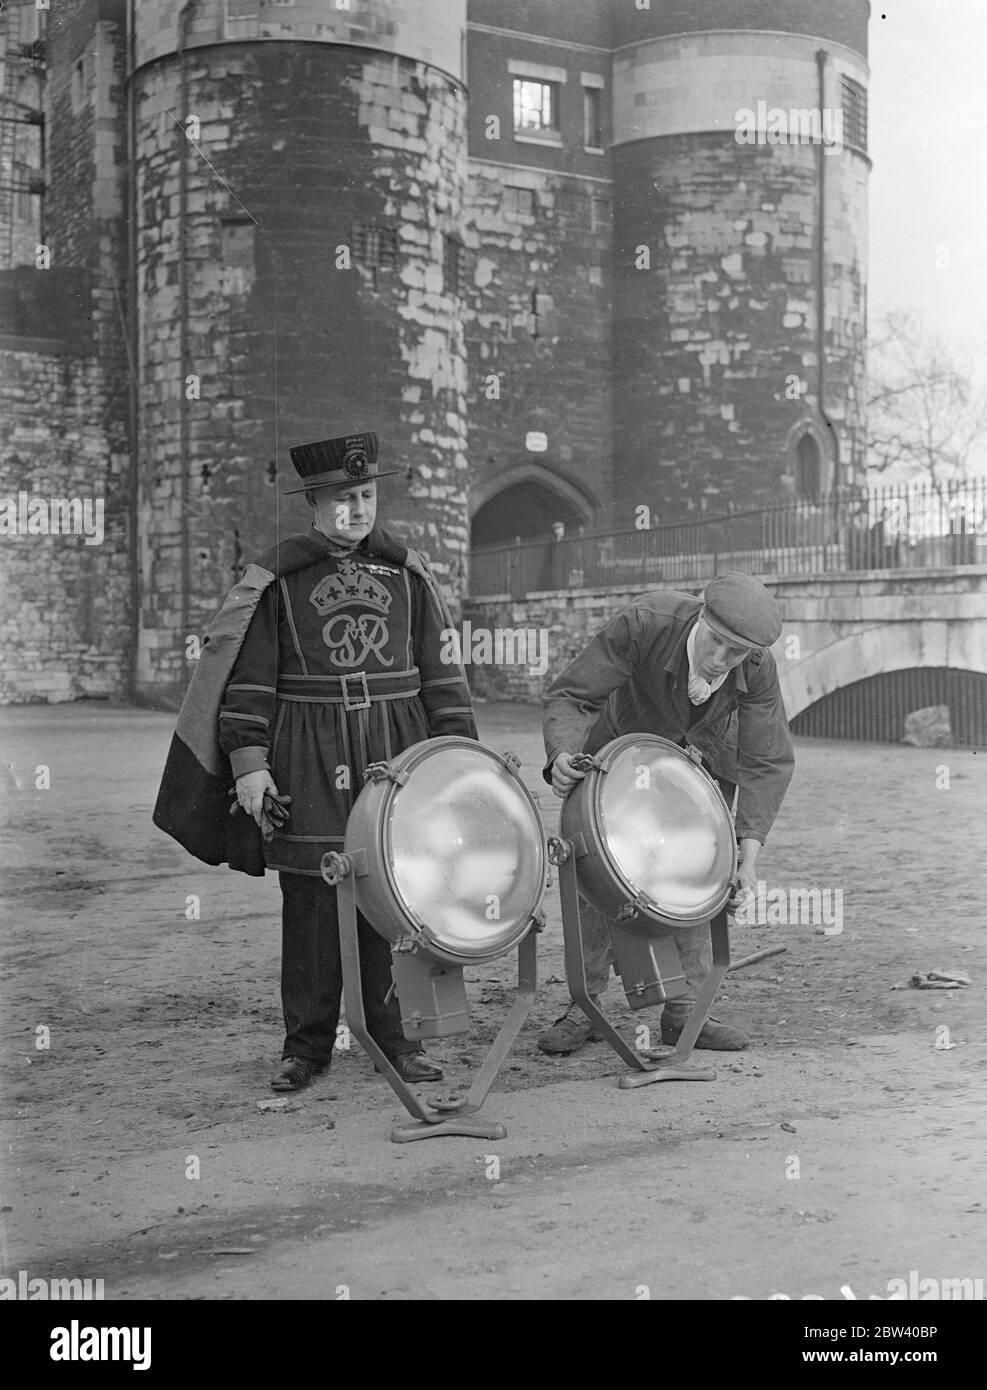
(699, 689)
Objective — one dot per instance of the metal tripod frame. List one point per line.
(430, 1121)
(645, 1070)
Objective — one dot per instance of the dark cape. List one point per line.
(193, 804)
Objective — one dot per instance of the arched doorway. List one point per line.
(811, 461)
(525, 504)
(528, 508)
(808, 469)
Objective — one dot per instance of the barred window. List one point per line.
(375, 245)
(453, 265)
(519, 202)
(536, 106)
(854, 98)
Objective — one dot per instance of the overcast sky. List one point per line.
(928, 141)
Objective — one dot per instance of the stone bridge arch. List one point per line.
(873, 650)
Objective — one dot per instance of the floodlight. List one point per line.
(445, 856)
(648, 840)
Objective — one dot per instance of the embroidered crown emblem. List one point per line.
(350, 585)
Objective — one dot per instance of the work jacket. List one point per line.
(633, 678)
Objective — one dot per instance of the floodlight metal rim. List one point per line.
(415, 929)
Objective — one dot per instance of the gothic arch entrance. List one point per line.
(526, 502)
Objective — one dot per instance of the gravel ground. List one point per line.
(844, 1148)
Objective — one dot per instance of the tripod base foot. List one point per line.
(634, 1079)
(422, 1129)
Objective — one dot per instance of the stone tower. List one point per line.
(299, 191)
(740, 196)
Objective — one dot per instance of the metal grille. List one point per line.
(875, 709)
(895, 528)
(854, 112)
(375, 245)
(453, 265)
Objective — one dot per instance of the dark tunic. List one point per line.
(633, 677)
(342, 666)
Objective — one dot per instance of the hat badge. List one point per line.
(355, 461)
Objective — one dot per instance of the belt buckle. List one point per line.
(364, 701)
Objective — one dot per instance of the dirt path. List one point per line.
(845, 1148)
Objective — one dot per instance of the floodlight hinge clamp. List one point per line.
(513, 764)
(413, 941)
(694, 753)
(538, 921)
(385, 772)
(335, 867)
(586, 762)
(559, 850)
(628, 911)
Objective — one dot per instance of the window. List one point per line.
(453, 265)
(808, 469)
(519, 202)
(374, 245)
(593, 118)
(600, 214)
(536, 107)
(854, 98)
(77, 90)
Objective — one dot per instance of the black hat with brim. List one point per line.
(347, 461)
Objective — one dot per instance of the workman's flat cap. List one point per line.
(738, 606)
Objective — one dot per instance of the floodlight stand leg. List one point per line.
(527, 957)
(451, 1123)
(672, 1063)
(429, 1124)
(646, 1070)
(356, 1016)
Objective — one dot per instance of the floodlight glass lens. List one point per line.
(466, 851)
(666, 830)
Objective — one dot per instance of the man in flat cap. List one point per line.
(697, 672)
(333, 660)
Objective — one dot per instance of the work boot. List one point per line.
(714, 1036)
(295, 1073)
(568, 1033)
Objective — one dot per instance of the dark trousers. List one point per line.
(312, 974)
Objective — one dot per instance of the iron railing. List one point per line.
(905, 527)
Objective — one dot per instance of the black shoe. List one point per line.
(714, 1036)
(295, 1073)
(415, 1066)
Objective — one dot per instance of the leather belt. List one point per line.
(355, 690)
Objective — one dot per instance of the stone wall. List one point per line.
(837, 629)
(549, 374)
(306, 314)
(64, 604)
(67, 605)
(716, 264)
